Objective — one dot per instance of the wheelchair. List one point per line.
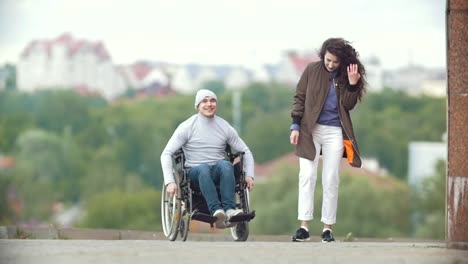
(188, 204)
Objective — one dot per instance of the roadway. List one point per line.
(50, 251)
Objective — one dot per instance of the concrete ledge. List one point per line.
(457, 245)
(51, 232)
(15, 232)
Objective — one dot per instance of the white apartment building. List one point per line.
(68, 63)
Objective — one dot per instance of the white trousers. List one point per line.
(330, 140)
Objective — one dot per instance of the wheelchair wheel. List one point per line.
(240, 232)
(184, 224)
(170, 213)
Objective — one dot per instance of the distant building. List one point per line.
(373, 165)
(135, 74)
(423, 157)
(184, 79)
(374, 74)
(291, 67)
(237, 78)
(260, 74)
(68, 63)
(85, 66)
(417, 80)
(434, 87)
(188, 79)
(146, 78)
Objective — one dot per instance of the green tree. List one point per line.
(268, 98)
(368, 206)
(372, 206)
(136, 133)
(263, 129)
(430, 205)
(124, 210)
(91, 146)
(10, 84)
(63, 109)
(48, 170)
(6, 213)
(386, 122)
(275, 202)
(216, 86)
(11, 126)
(103, 173)
(14, 102)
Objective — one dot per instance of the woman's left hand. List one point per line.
(353, 74)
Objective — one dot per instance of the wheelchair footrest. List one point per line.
(203, 217)
(242, 217)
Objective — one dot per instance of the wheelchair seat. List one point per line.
(201, 212)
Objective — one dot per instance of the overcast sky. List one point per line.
(232, 32)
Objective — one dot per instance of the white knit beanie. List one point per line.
(201, 94)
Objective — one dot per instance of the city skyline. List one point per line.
(240, 32)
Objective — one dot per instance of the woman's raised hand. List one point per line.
(353, 74)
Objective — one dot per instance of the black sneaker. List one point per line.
(301, 235)
(327, 236)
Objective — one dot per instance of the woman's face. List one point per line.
(331, 62)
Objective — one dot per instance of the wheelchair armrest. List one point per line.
(237, 154)
(178, 153)
(232, 156)
(178, 156)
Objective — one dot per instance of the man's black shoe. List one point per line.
(327, 236)
(301, 235)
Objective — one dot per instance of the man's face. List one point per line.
(207, 106)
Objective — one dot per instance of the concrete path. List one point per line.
(49, 251)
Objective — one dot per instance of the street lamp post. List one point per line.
(236, 109)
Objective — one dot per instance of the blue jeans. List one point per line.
(208, 177)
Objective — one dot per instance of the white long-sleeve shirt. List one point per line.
(203, 141)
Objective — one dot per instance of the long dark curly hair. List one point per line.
(347, 55)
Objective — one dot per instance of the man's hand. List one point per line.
(249, 181)
(171, 189)
(294, 138)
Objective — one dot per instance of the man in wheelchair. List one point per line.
(203, 138)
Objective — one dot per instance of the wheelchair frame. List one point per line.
(179, 210)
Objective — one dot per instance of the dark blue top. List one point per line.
(329, 115)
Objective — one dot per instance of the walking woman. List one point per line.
(321, 125)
